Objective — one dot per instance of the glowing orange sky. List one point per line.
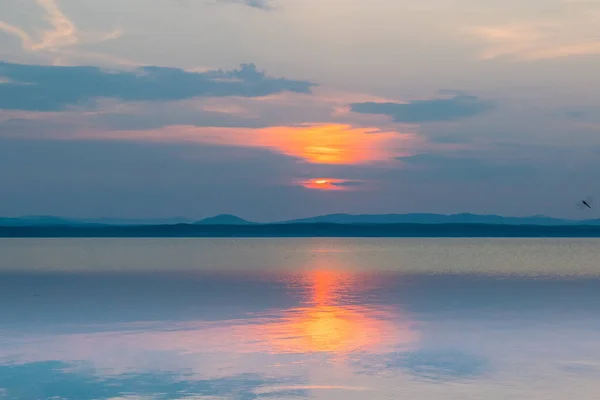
(326, 144)
(314, 143)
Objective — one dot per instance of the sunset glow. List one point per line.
(316, 144)
(334, 144)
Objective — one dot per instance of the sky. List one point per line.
(279, 109)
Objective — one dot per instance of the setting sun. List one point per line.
(328, 184)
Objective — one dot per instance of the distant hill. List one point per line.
(224, 219)
(464, 218)
(140, 221)
(43, 220)
(227, 219)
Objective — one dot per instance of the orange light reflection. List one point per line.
(333, 320)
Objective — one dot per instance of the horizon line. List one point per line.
(200, 219)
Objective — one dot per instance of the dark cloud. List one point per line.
(52, 88)
(459, 106)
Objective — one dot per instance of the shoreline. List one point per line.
(304, 230)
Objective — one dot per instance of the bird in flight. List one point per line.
(586, 203)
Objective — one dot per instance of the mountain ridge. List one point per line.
(338, 218)
(432, 218)
(224, 219)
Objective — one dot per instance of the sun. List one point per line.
(329, 184)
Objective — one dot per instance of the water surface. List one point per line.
(299, 318)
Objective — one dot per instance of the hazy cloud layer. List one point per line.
(51, 88)
(457, 107)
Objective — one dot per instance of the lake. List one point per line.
(89, 319)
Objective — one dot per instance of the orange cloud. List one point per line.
(313, 143)
(333, 144)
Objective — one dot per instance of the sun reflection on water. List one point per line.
(334, 320)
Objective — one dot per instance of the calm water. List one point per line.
(89, 319)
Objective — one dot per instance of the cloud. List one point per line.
(53, 88)
(280, 109)
(571, 30)
(530, 45)
(63, 35)
(460, 106)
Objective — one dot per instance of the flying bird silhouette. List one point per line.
(586, 203)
